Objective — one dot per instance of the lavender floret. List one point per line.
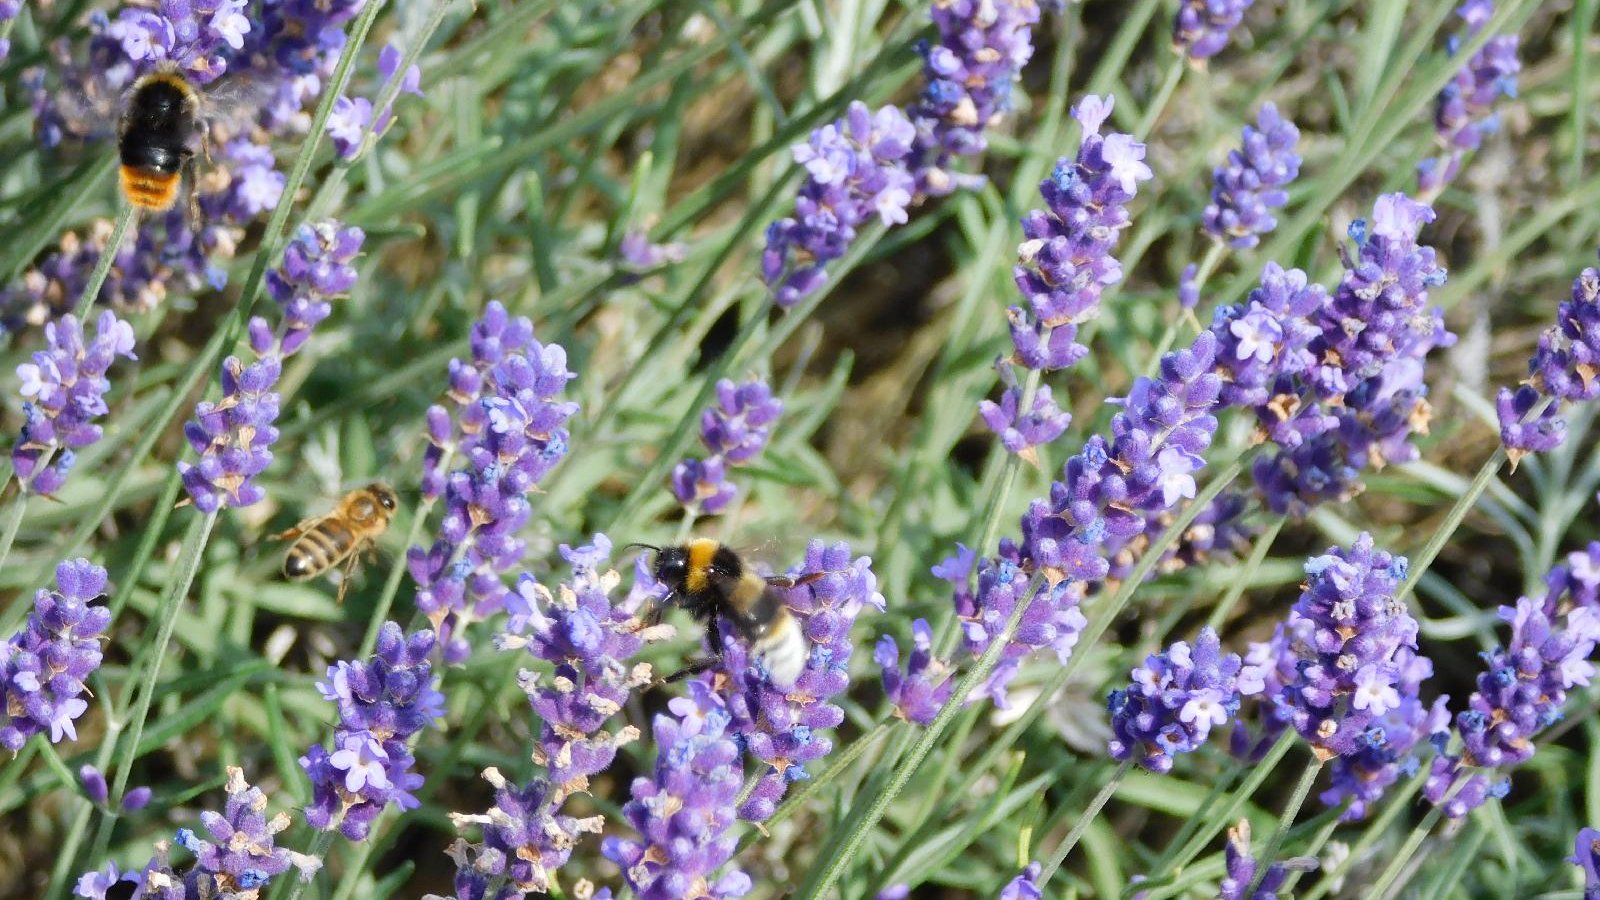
(734, 430)
(925, 684)
(1586, 856)
(44, 666)
(63, 393)
(1387, 750)
(1246, 190)
(1025, 886)
(1066, 263)
(1348, 630)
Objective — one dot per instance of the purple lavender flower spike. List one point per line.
(241, 857)
(1347, 630)
(1246, 190)
(1174, 700)
(1025, 886)
(508, 429)
(1564, 367)
(1387, 751)
(924, 686)
(970, 71)
(233, 436)
(1464, 110)
(63, 393)
(316, 270)
(1367, 383)
(782, 727)
(1540, 433)
(682, 813)
(1107, 496)
(1586, 856)
(44, 666)
(1520, 693)
(353, 118)
(9, 9)
(524, 841)
(855, 171)
(1066, 263)
(640, 254)
(1021, 432)
(1202, 27)
(590, 642)
(383, 703)
(735, 430)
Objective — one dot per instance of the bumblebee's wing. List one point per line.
(794, 581)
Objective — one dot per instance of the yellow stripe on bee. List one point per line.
(155, 191)
(177, 81)
(700, 553)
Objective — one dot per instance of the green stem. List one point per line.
(841, 849)
(321, 843)
(1082, 825)
(102, 266)
(1158, 104)
(1258, 553)
(1290, 811)
(12, 524)
(185, 568)
(1173, 861)
(1452, 520)
(1376, 829)
(1391, 873)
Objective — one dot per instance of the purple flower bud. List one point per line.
(683, 811)
(44, 666)
(508, 433)
(924, 686)
(1025, 886)
(1202, 27)
(136, 799)
(735, 429)
(94, 784)
(1251, 185)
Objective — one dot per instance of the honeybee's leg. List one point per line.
(346, 573)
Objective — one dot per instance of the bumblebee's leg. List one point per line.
(714, 632)
(192, 185)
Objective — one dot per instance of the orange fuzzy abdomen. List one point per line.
(155, 191)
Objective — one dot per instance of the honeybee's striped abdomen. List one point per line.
(319, 549)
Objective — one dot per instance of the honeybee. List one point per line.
(156, 137)
(710, 582)
(322, 542)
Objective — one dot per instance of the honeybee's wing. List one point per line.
(301, 527)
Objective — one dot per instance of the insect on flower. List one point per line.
(710, 581)
(340, 536)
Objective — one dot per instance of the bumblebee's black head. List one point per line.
(672, 568)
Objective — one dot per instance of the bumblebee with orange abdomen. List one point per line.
(340, 536)
(711, 582)
(156, 137)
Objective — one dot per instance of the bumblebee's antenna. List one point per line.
(651, 547)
